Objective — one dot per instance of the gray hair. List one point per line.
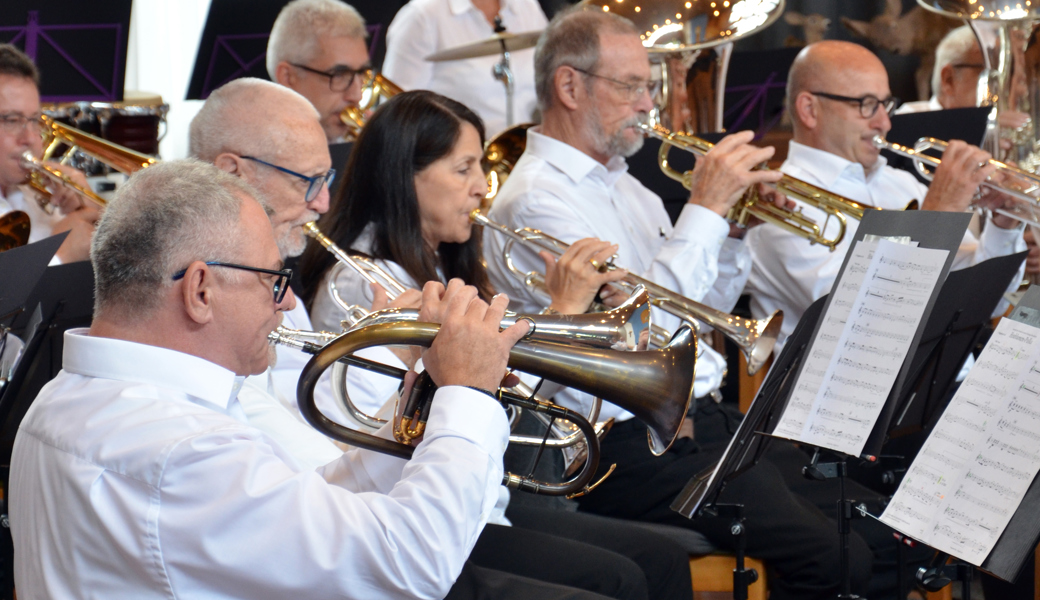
(301, 23)
(227, 122)
(572, 39)
(952, 49)
(162, 219)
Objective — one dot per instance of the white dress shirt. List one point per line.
(789, 274)
(133, 476)
(423, 27)
(918, 106)
(565, 193)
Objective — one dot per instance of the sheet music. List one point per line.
(851, 366)
(972, 472)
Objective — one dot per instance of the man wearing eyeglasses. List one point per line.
(839, 99)
(592, 75)
(135, 474)
(319, 49)
(19, 133)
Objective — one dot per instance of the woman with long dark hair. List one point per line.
(414, 176)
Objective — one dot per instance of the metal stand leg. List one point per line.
(823, 471)
(742, 576)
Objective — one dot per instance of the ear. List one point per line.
(794, 18)
(945, 81)
(569, 87)
(858, 28)
(893, 8)
(198, 293)
(229, 163)
(285, 75)
(805, 108)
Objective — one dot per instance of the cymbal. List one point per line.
(489, 46)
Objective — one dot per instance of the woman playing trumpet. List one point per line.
(414, 176)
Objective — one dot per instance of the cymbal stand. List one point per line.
(504, 73)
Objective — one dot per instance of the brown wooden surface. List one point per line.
(714, 573)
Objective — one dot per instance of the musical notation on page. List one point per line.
(870, 323)
(982, 454)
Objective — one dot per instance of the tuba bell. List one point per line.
(646, 384)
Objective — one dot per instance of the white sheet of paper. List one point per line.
(866, 333)
(972, 472)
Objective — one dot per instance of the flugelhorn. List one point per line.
(755, 339)
(1023, 185)
(14, 230)
(646, 384)
(833, 206)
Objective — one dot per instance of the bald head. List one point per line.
(258, 130)
(248, 116)
(823, 88)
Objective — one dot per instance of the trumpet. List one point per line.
(755, 339)
(56, 134)
(834, 206)
(1025, 187)
(374, 92)
(644, 383)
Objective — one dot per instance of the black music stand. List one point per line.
(967, 124)
(959, 321)
(234, 40)
(79, 47)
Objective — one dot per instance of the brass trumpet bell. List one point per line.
(374, 92)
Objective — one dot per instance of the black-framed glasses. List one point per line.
(632, 91)
(314, 184)
(15, 123)
(341, 78)
(281, 282)
(868, 105)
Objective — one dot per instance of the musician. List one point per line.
(593, 79)
(838, 98)
(135, 475)
(413, 178)
(319, 49)
(20, 133)
(423, 27)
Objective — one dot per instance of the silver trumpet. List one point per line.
(1022, 185)
(755, 339)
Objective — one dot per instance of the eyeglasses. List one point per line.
(15, 123)
(341, 78)
(281, 283)
(632, 91)
(868, 105)
(314, 184)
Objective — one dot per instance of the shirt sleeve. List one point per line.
(335, 538)
(993, 242)
(409, 40)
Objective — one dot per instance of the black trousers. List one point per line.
(798, 542)
(479, 583)
(604, 556)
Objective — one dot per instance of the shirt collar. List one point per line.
(827, 167)
(122, 360)
(572, 162)
(459, 7)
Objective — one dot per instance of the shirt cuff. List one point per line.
(470, 414)
(698, 223)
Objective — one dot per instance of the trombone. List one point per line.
(1028, 184)
(644, 383)
(755, 338)
(833, 206)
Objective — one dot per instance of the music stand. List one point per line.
(79, 47)
(958, 321)
(20, 270)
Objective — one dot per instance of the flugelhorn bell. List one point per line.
(656, 386)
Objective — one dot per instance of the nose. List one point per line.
(288, 301)
(644, 103)
(353, 92)
(30, 136)
(320, 204)
(880, 121)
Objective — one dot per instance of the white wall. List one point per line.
(164, 36)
